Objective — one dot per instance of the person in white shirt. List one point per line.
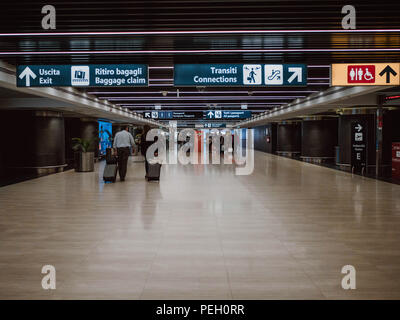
(122, 142)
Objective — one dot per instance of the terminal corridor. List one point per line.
(284, 232)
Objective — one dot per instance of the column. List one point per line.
(319, 139)
(89, 130)
(265, 138)
(289, 138)
(36, 141)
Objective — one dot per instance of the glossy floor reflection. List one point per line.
(283, 232)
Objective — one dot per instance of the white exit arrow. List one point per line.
(297, 73)
(27, 73)
(210, 114)
(359, 127)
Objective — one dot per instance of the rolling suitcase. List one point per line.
(110, 172)
(111, 156)
(153, 172)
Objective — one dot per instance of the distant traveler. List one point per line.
(123, 141)
(144, 145)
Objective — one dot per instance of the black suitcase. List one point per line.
(110, 172)
(153, 172)
(111, 156)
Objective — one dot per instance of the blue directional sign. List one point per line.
(213, 114)
(94, 75)
(173, 115)
(227, 114)
(240, 75)
(213, 125)
(198, 115)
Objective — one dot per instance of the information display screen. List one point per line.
(105, 136)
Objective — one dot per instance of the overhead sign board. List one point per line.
(94, 75)
(365, 74)
(240, 75)
(173, 115)
(198, 115)
(227, 114)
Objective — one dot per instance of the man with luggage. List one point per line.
(122, 142)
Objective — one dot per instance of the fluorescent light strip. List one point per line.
(133, 109)
(173, 79)
(189, 110)
(180, 32)
(198, 92)
(200, 104)
(173, 85)
(309, 66)
(165, 67)
(202, 98)
(319, 66)
(214, 51)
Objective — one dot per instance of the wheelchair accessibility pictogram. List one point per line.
(361, 74)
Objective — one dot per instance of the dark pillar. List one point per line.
(115, 128)
(319, 139)
(2, 163)
(89, 130)
(72, 130)
(265, 138)
(289, 138)
(391, 120)
(36, 141)
(379, 139)
(84, 128)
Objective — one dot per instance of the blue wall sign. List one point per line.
(94, 75)
(227, 114)
(240, 75)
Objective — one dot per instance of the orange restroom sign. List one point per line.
(365, 74)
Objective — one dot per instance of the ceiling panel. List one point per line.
(161, 33)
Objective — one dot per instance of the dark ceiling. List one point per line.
(161, 33)
(114, 15)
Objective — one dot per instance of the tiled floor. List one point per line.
(202, 233)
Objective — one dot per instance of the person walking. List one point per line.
(122, 142)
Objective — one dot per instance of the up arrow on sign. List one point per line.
(297, 73)
(27, 73)
(388, 70)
